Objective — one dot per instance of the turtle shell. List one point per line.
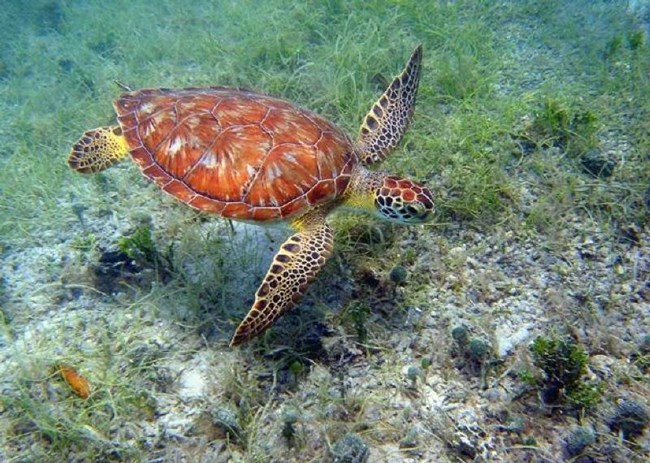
(234, 152)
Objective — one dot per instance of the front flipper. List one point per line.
(389, 117)
(294, 266)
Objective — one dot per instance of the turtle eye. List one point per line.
(413, 210)
(416, 213)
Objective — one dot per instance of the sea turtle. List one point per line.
(252, 157)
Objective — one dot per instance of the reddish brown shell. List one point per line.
(236, 153)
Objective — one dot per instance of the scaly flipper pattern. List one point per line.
(296, 264)
(98, 149)
(389, 117)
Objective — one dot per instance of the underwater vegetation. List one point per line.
(563, 363)
(573, 132)
(139, 246)
(141, 249)
(558, 125)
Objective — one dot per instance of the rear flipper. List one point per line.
(98, 149)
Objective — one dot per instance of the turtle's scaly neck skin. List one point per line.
(390, 197)
(360, 193)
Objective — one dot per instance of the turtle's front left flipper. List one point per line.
(296, 264)
(385, 124)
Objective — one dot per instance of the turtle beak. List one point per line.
(415, 213)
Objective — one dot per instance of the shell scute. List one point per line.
(341, 183)
(157, 174)
(141, 157)
(234, 111)
(206, 204)
(155, 128)
(294, 207)
(289, 171)
(263, 214)
(320, 191)
(222, 171)
(326, 157)
(237, 211)
(291, 127)
(179, 190)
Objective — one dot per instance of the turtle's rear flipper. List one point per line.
(98, 149)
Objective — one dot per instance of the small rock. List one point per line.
(350, 449)
(411, 440)
(578, 439)
(493, 395)
(225, 418)
(398, 275)
(413, 372)
(460, 335)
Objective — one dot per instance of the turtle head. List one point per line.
(404, 201)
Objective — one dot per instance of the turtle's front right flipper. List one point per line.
(295, 265)
(98, 149)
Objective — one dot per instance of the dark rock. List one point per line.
(597, 164)
(630, 418)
